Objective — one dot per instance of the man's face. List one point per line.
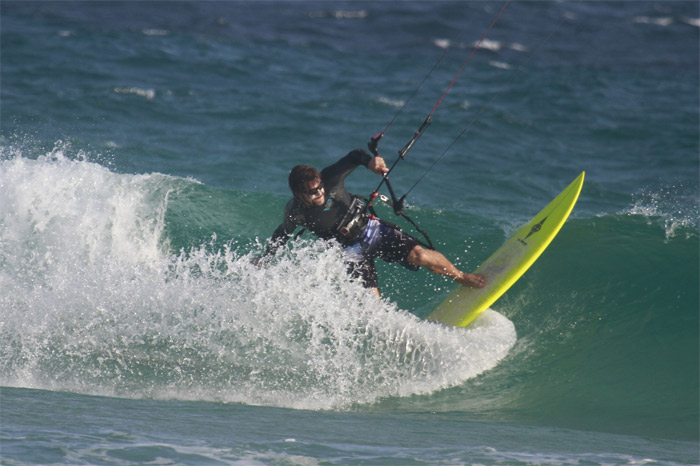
(314, 193)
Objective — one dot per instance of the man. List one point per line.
(322, 205)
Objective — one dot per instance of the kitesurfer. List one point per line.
(322, 205)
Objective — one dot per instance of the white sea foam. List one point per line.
(442, 43)
(155, 32)
(391, 102)
(95, 302)
(486, 44)
(672, 205)
(661, 21)
(501, 65)
(340, 14)
(147, 93)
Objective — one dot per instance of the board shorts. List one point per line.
(381, 240)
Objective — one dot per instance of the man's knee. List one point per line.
(417, 255)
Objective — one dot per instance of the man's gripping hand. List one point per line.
(377, 165)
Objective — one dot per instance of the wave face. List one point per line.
(111, 287)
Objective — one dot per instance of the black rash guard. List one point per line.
(323, 221)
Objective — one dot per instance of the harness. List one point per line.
(353, 223)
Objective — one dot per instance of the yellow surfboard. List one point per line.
(509, 262)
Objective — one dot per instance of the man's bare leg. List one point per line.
(437, 263)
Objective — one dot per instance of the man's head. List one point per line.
(305, 183)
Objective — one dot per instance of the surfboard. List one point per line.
(510, 261)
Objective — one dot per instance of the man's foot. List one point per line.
(472, 280)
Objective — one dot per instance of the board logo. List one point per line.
(535, 228)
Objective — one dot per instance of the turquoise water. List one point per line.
(143, 159)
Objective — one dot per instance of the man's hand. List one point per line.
(473, 280)
(377, 165)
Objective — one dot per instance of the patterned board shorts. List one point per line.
(381, 240)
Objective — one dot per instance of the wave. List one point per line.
(142, 286)
(96, 302)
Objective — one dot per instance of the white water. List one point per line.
(93, 301)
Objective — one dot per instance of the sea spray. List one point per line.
(676, 206)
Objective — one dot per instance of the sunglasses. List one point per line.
(314, 191)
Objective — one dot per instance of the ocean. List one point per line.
(144, 153)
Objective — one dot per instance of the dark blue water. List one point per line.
(144, 150)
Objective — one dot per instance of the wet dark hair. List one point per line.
(299, 178)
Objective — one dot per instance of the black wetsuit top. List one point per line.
(323, 221)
